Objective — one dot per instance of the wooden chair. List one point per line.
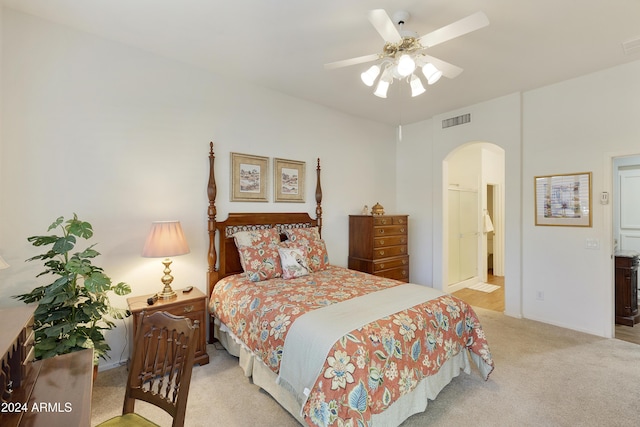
(160, 371)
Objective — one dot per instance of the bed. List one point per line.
(333, 346)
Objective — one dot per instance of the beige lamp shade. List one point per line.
(3, 264)
(165, 239)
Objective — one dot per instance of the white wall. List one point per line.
(576, 126)
(420, 158)
(120, 137)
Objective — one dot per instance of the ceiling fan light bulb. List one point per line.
(369, 76)
(431, 73)
(406, 65)
(381, 89)
(416, 86)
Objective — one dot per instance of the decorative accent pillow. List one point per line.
(294, 262)
(261, 262)
(309, 233)
(316, 252)
(256, 237)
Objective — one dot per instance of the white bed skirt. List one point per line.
(407, 405)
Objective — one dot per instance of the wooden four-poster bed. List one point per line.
(333, 346)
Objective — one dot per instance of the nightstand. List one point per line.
(192, 305)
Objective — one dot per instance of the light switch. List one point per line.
(592, 244)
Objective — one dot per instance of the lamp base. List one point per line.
(166, 294)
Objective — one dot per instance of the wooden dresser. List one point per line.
(192, 305)
(378, 245)
(626, 286)
(49, 393)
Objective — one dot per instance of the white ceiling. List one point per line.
(283, 45)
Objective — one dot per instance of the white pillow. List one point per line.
(294, 262)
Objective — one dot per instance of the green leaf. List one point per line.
(79, 266)
(79, 228)
(42, 240)
(97, 282)
(56, 223)
(64, 244)
(121, 289)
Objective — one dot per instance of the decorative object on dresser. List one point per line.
(378, 245)
(377, 209)
(289, 180)
(157, 374)
(626, 286)
(74, 309)
(165, 239)
(191, 304)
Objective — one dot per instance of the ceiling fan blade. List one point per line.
(456, 29)
(448, 70)
(384, 25)
(351, 61)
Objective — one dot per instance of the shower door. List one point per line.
(463, 235)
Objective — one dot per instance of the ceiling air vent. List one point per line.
(631, 46)
(455, 121)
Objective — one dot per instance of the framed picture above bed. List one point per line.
(563, 200)
(249, 175)
(288, 180)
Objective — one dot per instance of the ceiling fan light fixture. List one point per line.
(431, 73)
(406, 65)
(416, 86)
(382, 88)
(369, 76)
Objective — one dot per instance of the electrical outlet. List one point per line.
(540, 296)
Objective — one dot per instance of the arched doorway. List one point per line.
(473, 193)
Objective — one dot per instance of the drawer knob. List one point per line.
(381, 231)
(402, 230)
(404, 261)
(402, 250)
(400, 221)
(188, 309)
(382, 242)
(404, 273)
(403, 240)
(381, 265)
(381, 252)
(384, 221)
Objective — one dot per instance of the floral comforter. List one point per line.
(368, 368)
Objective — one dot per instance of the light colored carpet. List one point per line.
(484, 287)
(544, 376)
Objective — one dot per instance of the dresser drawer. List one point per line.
(399, 273)
(389, 251)
(389, 220)
(389, 230)
(381, 242)
(388, 263)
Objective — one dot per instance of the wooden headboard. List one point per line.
(226, 261)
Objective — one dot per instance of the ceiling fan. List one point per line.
(403, 51)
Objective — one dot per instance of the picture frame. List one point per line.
(563, 200)
(289, 180)
(249, 178)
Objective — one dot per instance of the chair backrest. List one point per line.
(160, 370)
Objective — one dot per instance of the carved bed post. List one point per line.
(212, 273)
(318, 199)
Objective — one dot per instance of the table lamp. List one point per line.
(165, 240)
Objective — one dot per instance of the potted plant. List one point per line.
(73, 310)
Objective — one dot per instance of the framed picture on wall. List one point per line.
(249, 178)
(563, 200)
(289, 177)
